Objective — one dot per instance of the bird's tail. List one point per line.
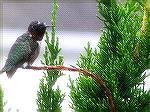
(9, 71)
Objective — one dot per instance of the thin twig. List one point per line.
(84, 72)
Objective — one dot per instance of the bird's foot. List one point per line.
(25, 67)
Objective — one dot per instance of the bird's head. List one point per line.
(37, 30)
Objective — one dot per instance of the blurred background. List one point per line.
(76, 25)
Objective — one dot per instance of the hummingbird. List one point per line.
(25, 49)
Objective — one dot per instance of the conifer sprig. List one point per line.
(49, 100)
(121, 58)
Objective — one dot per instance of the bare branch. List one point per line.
(84, 72)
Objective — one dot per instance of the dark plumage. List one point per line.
(25, 49)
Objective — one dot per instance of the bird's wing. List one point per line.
(34, 54)
(19, 53)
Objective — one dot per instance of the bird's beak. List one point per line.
(48, 26)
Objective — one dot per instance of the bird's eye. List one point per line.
(33, 27)
(38, 23)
